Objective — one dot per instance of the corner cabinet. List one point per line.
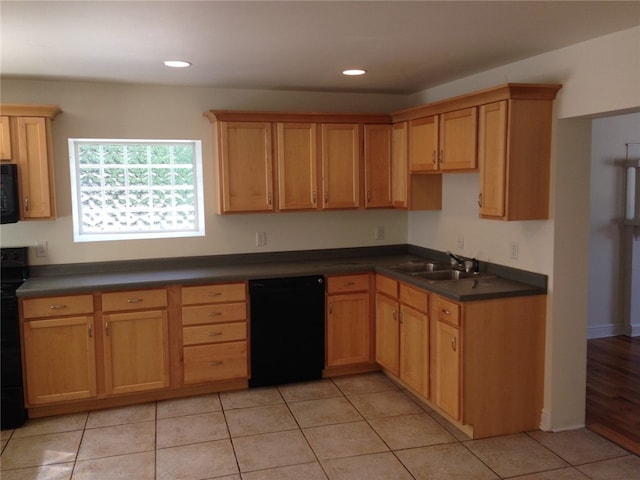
(25, 140)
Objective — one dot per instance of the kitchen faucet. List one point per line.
(459, 263)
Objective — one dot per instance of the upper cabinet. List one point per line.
(445, 142)
(277, 161)
(514, 151)
(25, 139)
(322, 161)
(341, 165)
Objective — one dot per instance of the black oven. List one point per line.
(9, 205)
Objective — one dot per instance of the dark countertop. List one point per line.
(110, 276)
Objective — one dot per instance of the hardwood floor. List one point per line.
(613, 390)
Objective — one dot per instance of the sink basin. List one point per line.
(447, 275)
(418, 267)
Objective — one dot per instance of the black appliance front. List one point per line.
(13, 271)
(9, 206)
(287, 329)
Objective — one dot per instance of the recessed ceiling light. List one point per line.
(177, 63)
(354, 71)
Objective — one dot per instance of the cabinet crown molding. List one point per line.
(295, 117)
(25, 110)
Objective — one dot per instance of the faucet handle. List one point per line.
(468, 266)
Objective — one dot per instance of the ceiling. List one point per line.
(292, 45)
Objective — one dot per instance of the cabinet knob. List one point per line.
(446, 312)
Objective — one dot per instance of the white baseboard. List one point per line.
(610, 330)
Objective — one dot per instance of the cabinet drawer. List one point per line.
(387, 285)
(57, 306)
(348, 283)
(217, 293)
(448, 311)
(226, 312)
(418, 299)
(134, 300)
(224, 332)
(224, 361)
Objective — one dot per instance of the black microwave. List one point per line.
(9, 193)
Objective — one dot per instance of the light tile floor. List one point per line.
(348, 428)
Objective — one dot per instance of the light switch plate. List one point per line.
(42, 248)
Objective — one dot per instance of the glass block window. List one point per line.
(134, 189)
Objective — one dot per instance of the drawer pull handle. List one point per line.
(349, 284)
(215, 294)
(214, 314)
(215, 334)
(446, 312)
(57, 307)
(453, 344)
(90, 330)
(106, 328)
(215, 364)
(134, 300)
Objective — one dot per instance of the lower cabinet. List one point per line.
(60, 354)
(349, 339)
(402, 332)
(447, 363)
(214, 332)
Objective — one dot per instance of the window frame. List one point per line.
(198, 186)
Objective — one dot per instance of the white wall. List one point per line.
(599, 77)
(609, 136)
(133, 111)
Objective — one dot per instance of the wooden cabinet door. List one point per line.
(414, 349)
(458, 139)
(348, 329)
(423, 144)
(447, 385)
(492, 158)
(341, 164)
(5, 138)
(377, 166)
(245, 167)
(136, 349)
(59, 359)
(399, 166)
(297, 160)
(387, 333)
(35, 168)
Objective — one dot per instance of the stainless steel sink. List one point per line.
(448, 275)
(420, 267)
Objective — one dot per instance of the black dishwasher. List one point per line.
(287, 329)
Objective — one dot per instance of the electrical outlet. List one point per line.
(461, 241)
(379, 233)
(514, 250)
(261, 239)
(42, 248)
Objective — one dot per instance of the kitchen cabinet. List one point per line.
(136, 341)
(26, 141)
(297, 161)
(340, 147)
(402, 332)
(214, 332)
(377, 166)
(514, 159)
(349, 338)
(409, 190)
(59, 349)
(245, 167)
(5, 138)
(487, 363)
(445, 142)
